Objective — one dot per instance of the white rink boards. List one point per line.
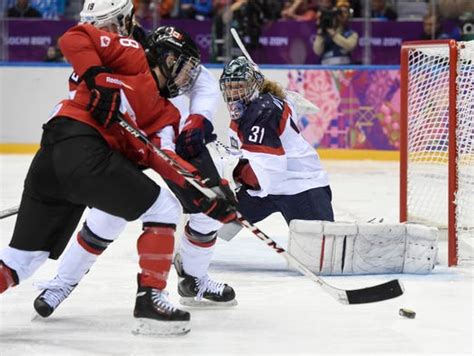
(279, 312)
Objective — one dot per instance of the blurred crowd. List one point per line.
(334, 41)
(269, 10)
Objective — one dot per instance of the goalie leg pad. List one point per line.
(329, 248)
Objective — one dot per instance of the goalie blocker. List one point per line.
(342, 248)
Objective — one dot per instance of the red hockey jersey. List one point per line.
(142, 106)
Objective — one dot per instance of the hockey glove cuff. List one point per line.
(104, 103)
(196, 132)
(245, 175)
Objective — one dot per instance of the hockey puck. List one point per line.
(407, 313)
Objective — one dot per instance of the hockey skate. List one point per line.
(155, 315)
(53, 293)
(202, 292)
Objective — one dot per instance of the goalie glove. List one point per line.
(197, 131)
(104, 103)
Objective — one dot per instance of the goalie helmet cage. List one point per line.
(437, 140)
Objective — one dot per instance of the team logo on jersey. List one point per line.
(104, 41)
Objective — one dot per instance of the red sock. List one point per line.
(8, 277)
(155, 250)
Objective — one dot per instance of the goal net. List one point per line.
(437, 140)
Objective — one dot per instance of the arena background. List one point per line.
(359, 116)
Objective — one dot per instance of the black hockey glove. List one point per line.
(139, 34)
(196, 132)
(223, 208)
(218, 208)
(104, 103)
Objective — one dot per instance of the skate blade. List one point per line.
(205, 303)
(35, 317)
(145, 326)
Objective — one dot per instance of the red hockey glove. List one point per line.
(196, 132)
(104, 103)
(245, 175)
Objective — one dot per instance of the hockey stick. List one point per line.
(9, 212)
(376, 293)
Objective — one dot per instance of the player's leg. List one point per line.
(44, 223)
(313, 204)
(155, 249)
(192, 261)
(99, 230)
(255, 209)
(108, 181)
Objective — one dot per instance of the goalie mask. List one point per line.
(115, 15)
(240, 83)
(177, 57)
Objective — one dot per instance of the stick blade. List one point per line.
(378, 293)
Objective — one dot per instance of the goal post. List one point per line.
(437, 140)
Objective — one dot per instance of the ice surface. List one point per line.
(279, 311)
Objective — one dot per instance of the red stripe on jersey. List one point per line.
(233, 126)
(279, 151)
(284, 118)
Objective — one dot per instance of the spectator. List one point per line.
(271, 9)
(195, 9)
(22, 8)
(144, 9)
(53, 54)
(324, 5)
(299, 10)
(432, 29)
(380, 10)
(356, 6)
(334, 39)
(247, 18)
(453, 9)
(467, 26)
(218, 30)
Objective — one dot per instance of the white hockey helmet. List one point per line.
(117, 15)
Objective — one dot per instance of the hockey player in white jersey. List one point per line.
(276, 169)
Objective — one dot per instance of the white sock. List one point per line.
(75, 263)
(196, 259)
(25, 263)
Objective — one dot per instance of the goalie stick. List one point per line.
(375, 293)
(9, 212)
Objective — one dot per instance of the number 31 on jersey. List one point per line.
(257, 134)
